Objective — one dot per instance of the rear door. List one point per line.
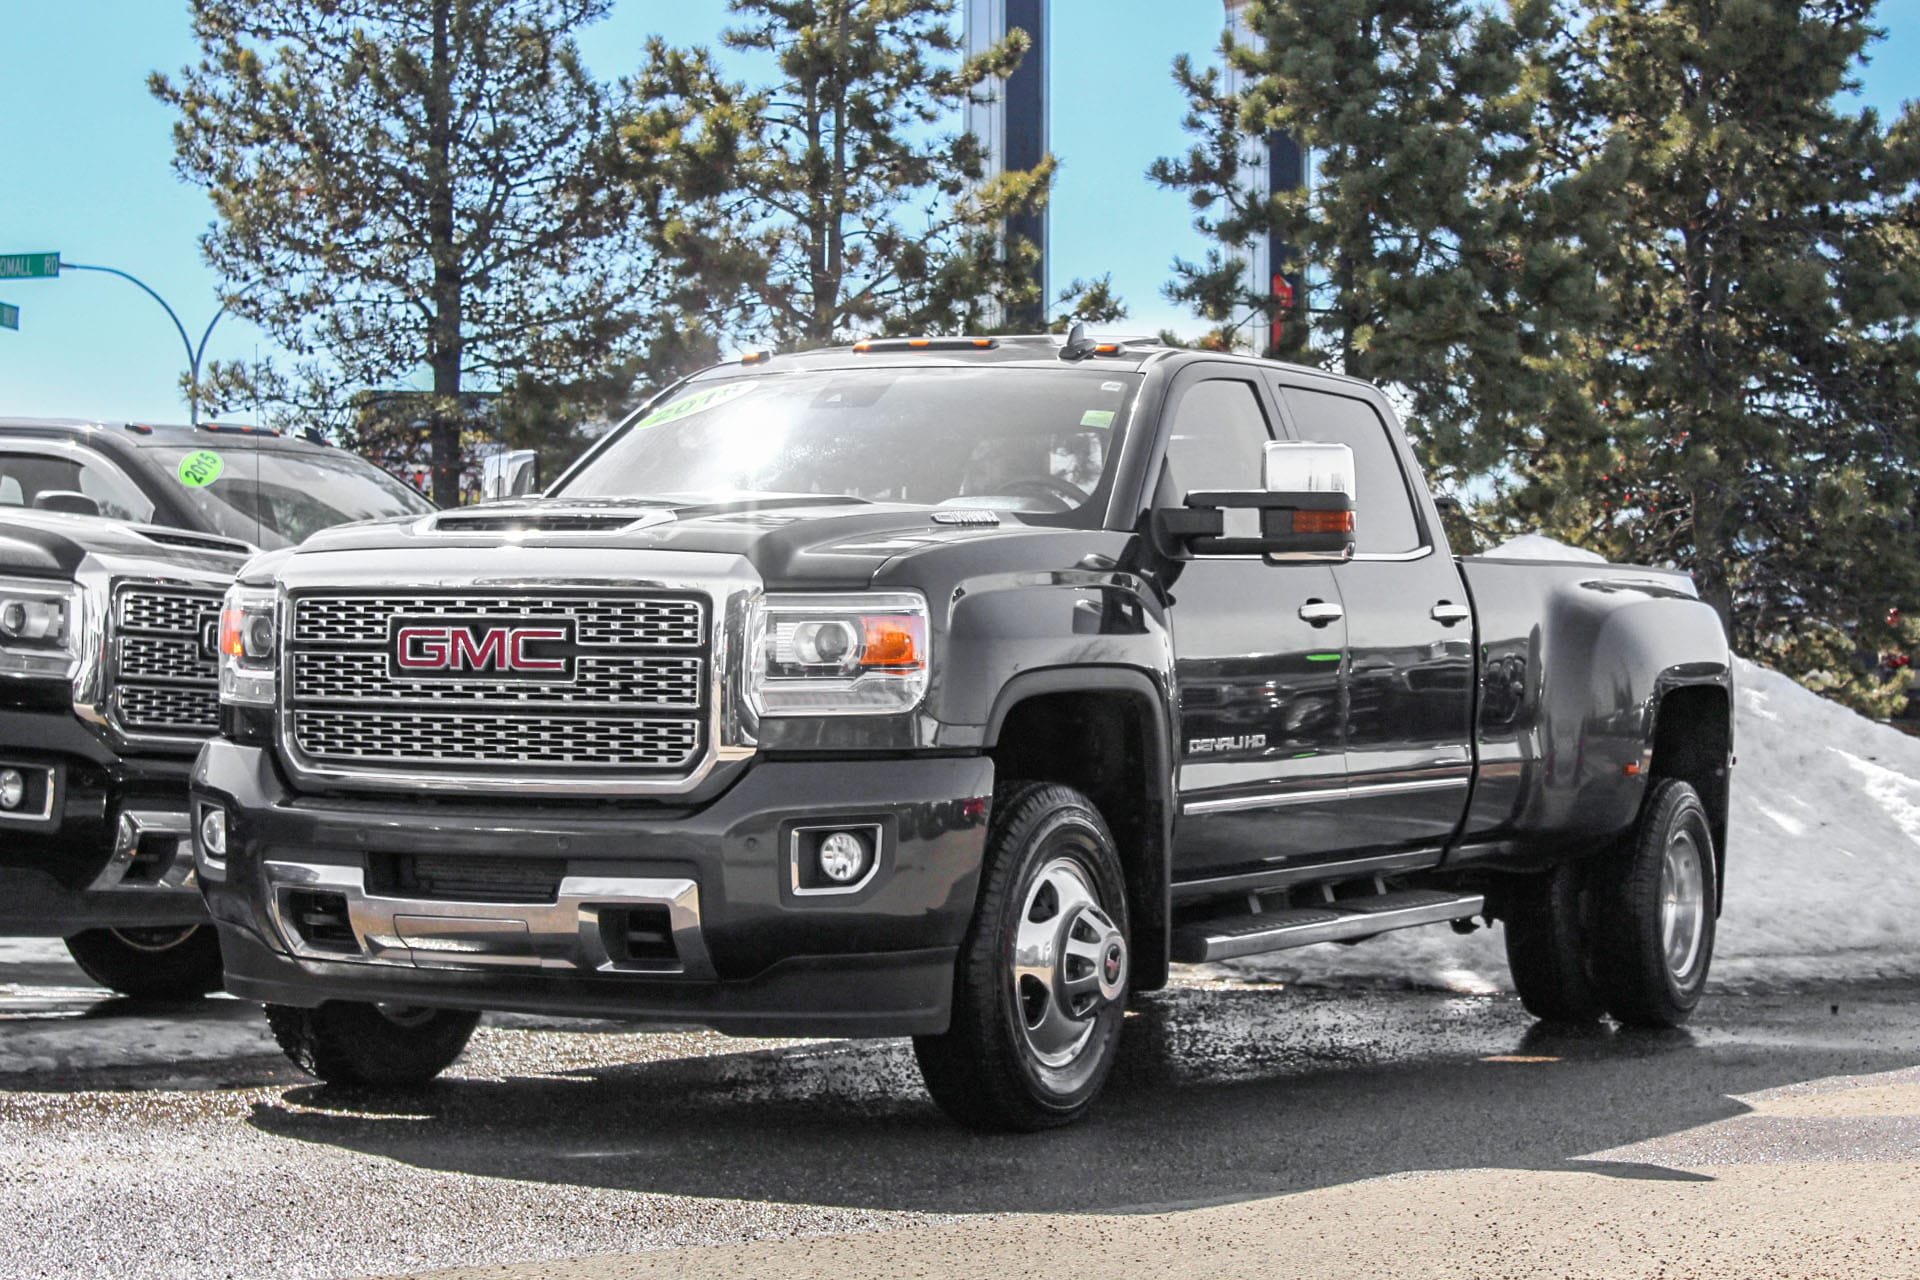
(1262, 765)
(1409, 728)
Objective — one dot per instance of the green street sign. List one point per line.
(29, 266)
(9, 316)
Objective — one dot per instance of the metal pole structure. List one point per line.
(1012, 124)
(1272, 164)
(194, 353)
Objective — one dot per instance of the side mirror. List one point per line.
(1305, 512)
(70, 501)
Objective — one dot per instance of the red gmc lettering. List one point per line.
(518, 658)
(459, 649)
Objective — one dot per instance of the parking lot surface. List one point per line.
(1367, 1130)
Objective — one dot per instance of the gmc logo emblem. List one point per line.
(450, 647)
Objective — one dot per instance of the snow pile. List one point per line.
(1823, 871)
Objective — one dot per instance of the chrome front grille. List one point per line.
(164, 675)
(490, 738)
(603, 679)
(635, 699)
(648, 622)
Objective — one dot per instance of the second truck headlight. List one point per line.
(824, 655)
(41, 627)
(249, 646)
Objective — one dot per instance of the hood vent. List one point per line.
(549, 520)
(196, 541)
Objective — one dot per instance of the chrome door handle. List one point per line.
(1320, 613)
(1446, 613)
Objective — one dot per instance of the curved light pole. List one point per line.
(193, 352)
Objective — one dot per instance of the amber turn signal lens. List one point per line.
(233, 640)
(1323, 522)
(894, 643)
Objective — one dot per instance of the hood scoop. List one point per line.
(547, 520)
(195, 541)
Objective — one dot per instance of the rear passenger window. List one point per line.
(1219, 437)
(1383, 509)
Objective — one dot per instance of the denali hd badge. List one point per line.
(451, 648)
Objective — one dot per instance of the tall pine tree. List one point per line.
(840, 198)
(1758, 368)
(407, 185)
(1433, 260)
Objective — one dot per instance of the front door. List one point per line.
(1259, 651)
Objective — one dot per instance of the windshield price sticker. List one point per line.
(1101, 418)
(698, 402)
(201, 468)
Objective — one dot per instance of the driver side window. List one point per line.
(1218, 437)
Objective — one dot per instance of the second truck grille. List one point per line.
(164, 676)
(624, 688)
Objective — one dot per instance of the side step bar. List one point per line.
(1228, 937)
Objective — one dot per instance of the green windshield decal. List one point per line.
(698, 402)
(1097, 418)
(201, 468)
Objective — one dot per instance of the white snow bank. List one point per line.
(1823, 852)
(1531, 546)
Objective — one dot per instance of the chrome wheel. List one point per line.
(161, 939)
(1683, 905)
(1069, 963)
(405, 1015)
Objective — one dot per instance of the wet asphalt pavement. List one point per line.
(175, 1141)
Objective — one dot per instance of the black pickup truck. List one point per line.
(117, 542)
(950, 688)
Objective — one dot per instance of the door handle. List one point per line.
(1446, 613)
(1320, 612)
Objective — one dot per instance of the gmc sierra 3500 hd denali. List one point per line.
(948, 688)
(117, 542)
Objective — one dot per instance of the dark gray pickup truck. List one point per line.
(951, 688)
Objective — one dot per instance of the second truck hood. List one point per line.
(799, 541)
(44, 544)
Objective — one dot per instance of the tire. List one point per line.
(175, 962)
(1029, 1047)
(1654, 912)
(1549, 946)
(371, 1044)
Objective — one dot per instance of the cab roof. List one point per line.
(1042, 350)
(151, 432)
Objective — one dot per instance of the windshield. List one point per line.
(1039, 441)
(278, 497)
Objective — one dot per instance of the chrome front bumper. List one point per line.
(573, 933)
(152, 853)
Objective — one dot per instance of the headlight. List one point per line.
(249, 647)
(826, 655)
(40, 628)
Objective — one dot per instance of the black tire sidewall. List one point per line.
(1630, 963)
(184, 970)
(1073, 831)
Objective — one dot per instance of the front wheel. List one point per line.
(1040, 985)
(1654, 912)
(173, 962)
(371, 1044)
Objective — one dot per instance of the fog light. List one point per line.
(213, 831)
(843, 857)
(13, 788)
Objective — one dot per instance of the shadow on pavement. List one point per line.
(1221, 1095)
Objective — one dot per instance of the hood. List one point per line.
(792, 541)
(45, 544)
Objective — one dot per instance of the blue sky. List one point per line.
(85, 156)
